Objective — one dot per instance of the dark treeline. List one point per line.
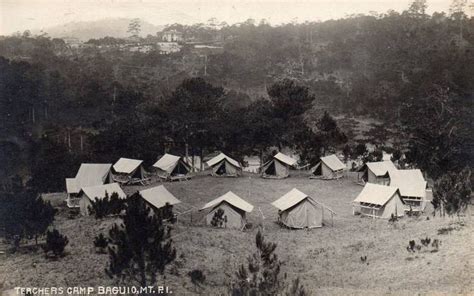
(266, 88)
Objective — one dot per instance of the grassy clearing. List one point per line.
(326, 259)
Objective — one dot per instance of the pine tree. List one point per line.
(24, 215)
(101, 243)
(359, 150)
(40, 215)
(141, 246)
(329, 132)
(261, 277)
(55, 243)
(115, 204)
(296, 288)
(134, 28)
(106, 206)
(374, 156)
(99, 206)
(197, 278)
(167, 214)
(452, 192)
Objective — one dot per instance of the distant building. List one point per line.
(253, 164)
(207, 49)
(172, 36)
(168, 47)
(141, 48)
(73, 42)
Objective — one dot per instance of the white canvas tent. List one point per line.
(376, 172)
(158, 196)
(89, 194)
(224, 166)
(330, 167)
(412, 186)
(278, 167)
(386, 156)
(128, 171)
(172, 167)
(379, 201)
(89, 174)
(298, 210)
(234, 207)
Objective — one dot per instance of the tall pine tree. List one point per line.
(140, 247)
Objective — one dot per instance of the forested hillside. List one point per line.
(267, 87)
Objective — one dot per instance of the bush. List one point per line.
(55, 243)
(197, 277)
(24, 215)
(452, 192)
(107, 206)
(359, 150)
(296, 288)
(141, 246)
(167, 214)
(101, 243)
(219, 220)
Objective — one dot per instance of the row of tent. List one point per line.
(389, 191)
(169, 167)
(296, 209)
(410, 185)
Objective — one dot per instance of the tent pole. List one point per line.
(322, 210)
(186, 147)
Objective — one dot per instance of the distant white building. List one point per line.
(172, 36)
(141, 48)
(253, 164)
(73, 42)
(168, 47)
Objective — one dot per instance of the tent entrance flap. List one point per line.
(225, 168)
(179, 169)
(271, 170)
(221, 169)
(318, 170)
(365, 175)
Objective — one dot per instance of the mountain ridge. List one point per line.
(85, 30)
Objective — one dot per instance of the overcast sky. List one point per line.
(20, 15)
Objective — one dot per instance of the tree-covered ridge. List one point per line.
(81, 102)
(374, 60)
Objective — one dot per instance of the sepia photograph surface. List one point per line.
(241, 148)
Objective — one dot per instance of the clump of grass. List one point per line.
(445, 230)
(456, 226)
(355, 247)
(425, 242)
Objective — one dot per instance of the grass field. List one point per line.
(326, 259)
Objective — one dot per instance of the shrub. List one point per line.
(296, 289)
(55, 243)
(426, 241)
(101, 243)
(107, 206)
(218, 219)
(141, 246)
(24, 214)
(167, 214)
(262, 275)
(197, 277)
(452, 192)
